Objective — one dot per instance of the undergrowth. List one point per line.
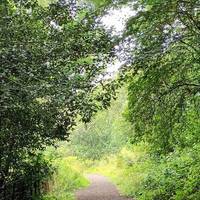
(68, 175)
(137, 174)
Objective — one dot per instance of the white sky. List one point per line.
(115, 21)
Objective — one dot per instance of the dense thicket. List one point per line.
(50, 61)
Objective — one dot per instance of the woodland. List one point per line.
(62, 115)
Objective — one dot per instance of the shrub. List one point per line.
(176, 177)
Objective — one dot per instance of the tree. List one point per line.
(164, 95)
(164, 77)
(105, 135)
(50, 64)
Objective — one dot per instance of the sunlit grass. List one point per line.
(127, 169)
(68, 175)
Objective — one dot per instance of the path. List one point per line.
(100, 189)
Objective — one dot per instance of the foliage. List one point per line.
(50, 64)
(28, 177)
(163, 97)
(164, 76)
(175, 177)
(104, 135)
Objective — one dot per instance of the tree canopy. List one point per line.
(50, 61)
(53, 58)
(164, 77)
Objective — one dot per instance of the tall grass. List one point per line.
(67, 178)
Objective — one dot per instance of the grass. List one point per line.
(68, 175)
(127, 169)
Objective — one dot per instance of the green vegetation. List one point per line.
(53, 58)
(163, 97)
(67, 176)
(104, 135)
(164, 79)
(141, 176)
(49, 64)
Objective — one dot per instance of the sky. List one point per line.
(115, 21)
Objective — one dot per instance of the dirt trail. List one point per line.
(100, 189)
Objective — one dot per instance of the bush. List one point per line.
(25, 181)
(177, 177)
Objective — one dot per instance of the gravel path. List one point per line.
(100, 189)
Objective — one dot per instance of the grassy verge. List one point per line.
(68, 176)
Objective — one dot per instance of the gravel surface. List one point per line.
(100, 189)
